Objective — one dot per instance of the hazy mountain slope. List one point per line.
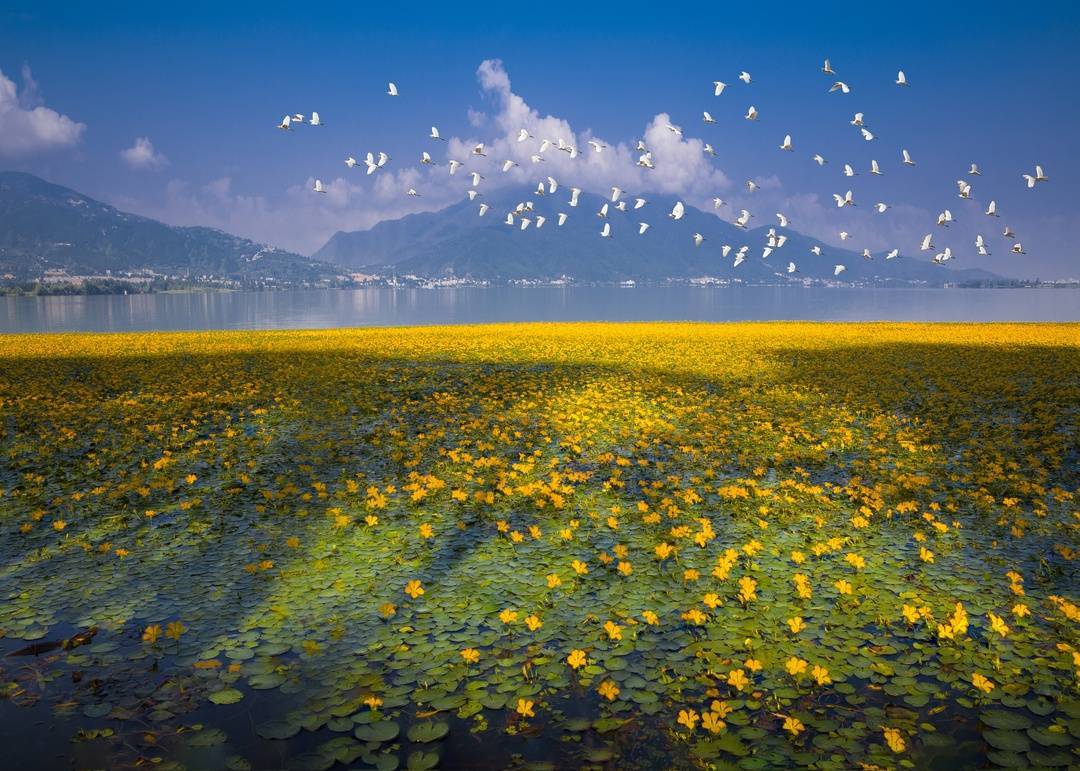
(456, 241)
(45, 226)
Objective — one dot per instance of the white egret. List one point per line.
(315, 120)
(752, 113)
(642, 227)
(425, 158)
(840, 86)
(606, 232)
(820, 160)
(893, 254)
(483, 209)
(698, 238)
(838, 269)
(745, 77)
(827, 68)
(907, 158)
(718, 87)
(708, 118)
(286, 123)
(881, 207)
(991, 210)
(786, 144)
(677, 211)
(562, 219)
(782, 219)
(874, 168)
(412, 192)
(391, 89)
(351, 162)
(639, 202)
(435, 134)
(319, 187)
(927, 243)
(574, 193)
(791, 268)
(901, 78)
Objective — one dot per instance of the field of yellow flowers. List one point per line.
(741, 546)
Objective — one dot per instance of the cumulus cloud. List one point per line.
(142, 155)
(26, 125)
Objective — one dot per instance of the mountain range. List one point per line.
(455, 241)
(49, 228)
(46, 227)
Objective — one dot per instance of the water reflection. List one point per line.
(393, 307)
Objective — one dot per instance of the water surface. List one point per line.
(395, 307)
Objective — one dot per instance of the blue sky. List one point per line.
(205, 83)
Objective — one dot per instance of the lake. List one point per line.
(393, 307)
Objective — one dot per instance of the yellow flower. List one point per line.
(533, 622)
(650, 618)
(664, 550)
(711, 599)
(426, 531)
(720, 708)
(152, 633)
(747, 589)
(694, 616)
(471, 655)
(534, 531)
(576, 659)
(502, 525)
(688, 718)
(798, 557)
(174, 629)
(414, 589)
(795, 666)
(525, 708)
(820, 675)
(796, 624)
(59, 525)
(842, 586)
(373, 701)
(371, 520)
(894, 739)
(626, 568)
(614, 631)
(1020, 610)
(737, 679)
(579, 567)
(983, 684)
(553, 580)
(387, 609)
(508, 616)
(608, 690)
(712, 722)
(292, 542)
(911, 614)
(690, 574)
(925, 554)
(997, 624)
(753, 665)
(793, 725)
(855, 560)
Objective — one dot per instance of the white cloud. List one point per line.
(142, 155)
(26, 125)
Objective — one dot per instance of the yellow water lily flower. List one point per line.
(387, 609)
(688, 718)
(747, 589)
(720, 708)
(695, 617)
(553, 580)
(614, 631)
(793, 725)
(152, 633)
(626, 568)
(414, 589)
(711, 599)
(796, 624)
(427, 531)
(997, 624)
(533, 622)
(579, 567)
(608, 690)
(712, 722)
(753, 665)
(737, 679)
(576, 659)
(844, 587)
(373, 701)
(174, 629)
(925, 554)
(525, 708)
(664, 550)
(508, 616)
(982, 683)
(820, 675)
(795, 666)
(471, 655)
(650, 618)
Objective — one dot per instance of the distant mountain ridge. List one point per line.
(47, 227)
(455, 241)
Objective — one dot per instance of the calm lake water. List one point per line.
(393, 307)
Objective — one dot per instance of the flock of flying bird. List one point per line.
(523, 215)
